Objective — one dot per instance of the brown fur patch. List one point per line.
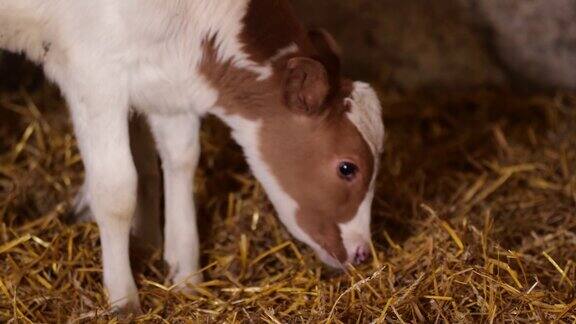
(270, 25)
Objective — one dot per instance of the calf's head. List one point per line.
(324, 155)
(314, 141)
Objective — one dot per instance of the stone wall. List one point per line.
(453, 43)
(534, 39)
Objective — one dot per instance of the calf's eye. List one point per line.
(347, 170)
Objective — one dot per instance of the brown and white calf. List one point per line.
(311, 137)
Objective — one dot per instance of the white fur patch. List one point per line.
(366, 114)
(290, 49)
(356, 232)
(265, 71)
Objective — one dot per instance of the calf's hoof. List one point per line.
(184, 281)
(126, 310)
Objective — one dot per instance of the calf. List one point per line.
(311, 137)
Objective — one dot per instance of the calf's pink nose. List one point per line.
(361, 255)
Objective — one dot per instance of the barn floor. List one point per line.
(474, 221)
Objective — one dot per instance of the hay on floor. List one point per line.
(474, 220)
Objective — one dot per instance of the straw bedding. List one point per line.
(474, 221)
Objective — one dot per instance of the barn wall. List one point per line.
(453, 43)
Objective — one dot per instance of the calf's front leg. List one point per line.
(177, 139)
(99, 109)
(146, 222)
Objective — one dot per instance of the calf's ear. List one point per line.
(325, 43)
(328, 49)
(306, 85)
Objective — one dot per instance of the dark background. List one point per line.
(414, 44)
(455, 44)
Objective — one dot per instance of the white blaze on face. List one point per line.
(366, 114)
(356, 233)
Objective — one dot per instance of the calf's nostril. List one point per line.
(362, 255)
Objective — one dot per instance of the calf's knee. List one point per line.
(113, 192)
